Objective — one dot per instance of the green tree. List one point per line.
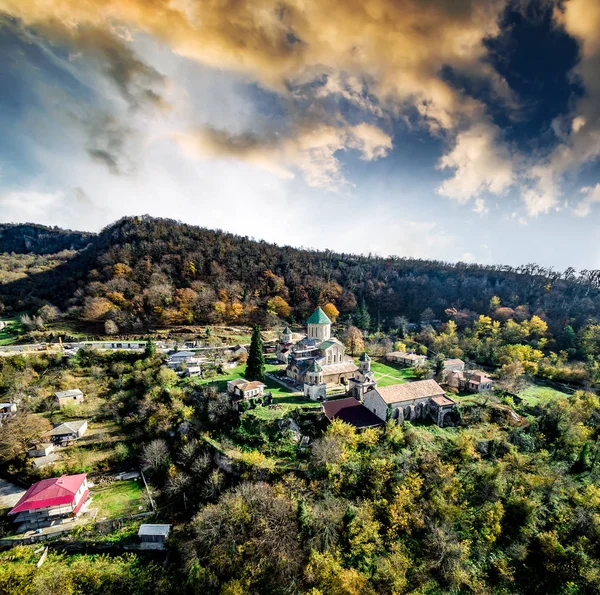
(150, 347)
(255, 368)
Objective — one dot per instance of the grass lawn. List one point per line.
(12, 331)
(534, 394)
(121, 498)
(387, 374)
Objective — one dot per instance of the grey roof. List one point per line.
(150, 529)
(286, 331)
(315, 367)
(43, 461)
(183, 354)
(69, 427)
(364, 357)
(74, 392)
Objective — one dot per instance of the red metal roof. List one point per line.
(56, 491)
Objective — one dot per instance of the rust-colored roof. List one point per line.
(396, 393)
(250, 385)
(442, 401)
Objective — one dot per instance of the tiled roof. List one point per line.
(352, 412)
(396, 393)
(341, 368)
(405, 355)
(251, 385)
(442, 401)
(50, 492)
(453, 362)
(318, 317)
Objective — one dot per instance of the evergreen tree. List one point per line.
(150, 347)
(255, 369)
(568, 338)
(364, 318)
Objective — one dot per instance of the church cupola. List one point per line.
(364, 362)
(286, 335)
(319, 326)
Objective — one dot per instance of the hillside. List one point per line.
(144, 270)
(31, 238)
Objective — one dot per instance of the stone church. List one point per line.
(318, 360)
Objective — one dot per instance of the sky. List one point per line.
(457, 130)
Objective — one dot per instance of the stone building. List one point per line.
(413, 401)
(319, 347)
(363, 379)
(473, 381)
(410, 360)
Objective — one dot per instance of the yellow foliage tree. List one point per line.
(331, 311)
(278, 306)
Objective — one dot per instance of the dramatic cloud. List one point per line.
(578, 131)
(382, 56)
(592, 196)
(310, 150)
(480, 163)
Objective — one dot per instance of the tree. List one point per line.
(427, 315)
(110, 327)
(567, 339)
(278, 306)
(150, 347)
(362, 318)
(331, 311)
(19, 433)
(155, 455)
(255, 368)
(353, 340)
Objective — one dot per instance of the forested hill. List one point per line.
(147, 270)
(31, 238)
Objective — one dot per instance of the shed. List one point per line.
(150, 533)
(65, 397)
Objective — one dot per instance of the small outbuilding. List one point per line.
(71, 430)
(154, 536)
(41, 450)
(69, 397)
(193, 371)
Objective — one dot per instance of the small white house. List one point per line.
(411, 360)
(71, 430)
(193, 371)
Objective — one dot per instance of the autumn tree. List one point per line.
(278, 306)
(19, 433)
(331, 311)
(353, 339)
(255, 368)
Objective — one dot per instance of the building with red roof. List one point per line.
(52, 499)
